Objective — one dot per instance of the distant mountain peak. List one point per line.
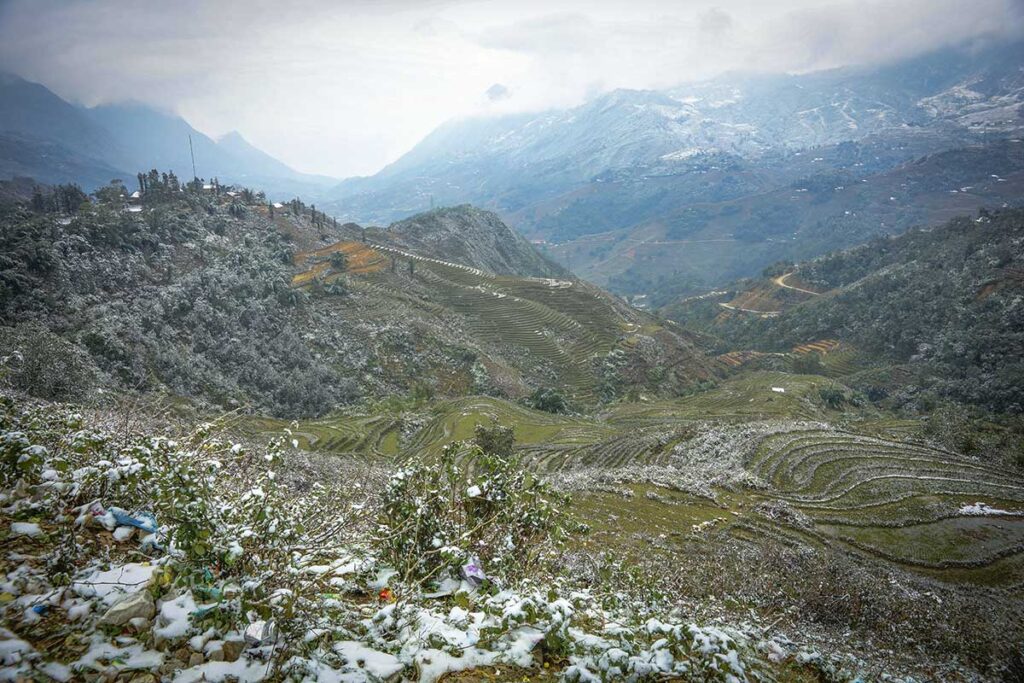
(8, 78)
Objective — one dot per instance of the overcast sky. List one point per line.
(343, 87)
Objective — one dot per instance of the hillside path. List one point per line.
(781, 282)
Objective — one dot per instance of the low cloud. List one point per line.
(715, 21)
(497, 93)
(345, 87)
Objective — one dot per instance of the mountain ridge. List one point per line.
(941, 304)
(633, 163)
(247, 303)
(473, 237)
(59, 142)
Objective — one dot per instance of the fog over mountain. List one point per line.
(661, 192)
(344, 88)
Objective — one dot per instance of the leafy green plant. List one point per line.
(496, 439)
(469, 505)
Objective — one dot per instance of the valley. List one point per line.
(611, 376)
(767, 466)
(697, 463)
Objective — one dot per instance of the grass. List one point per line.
(871, 492)
(557, 329)
(745, 397)
(364, 436)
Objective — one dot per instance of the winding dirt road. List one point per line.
(781, 282)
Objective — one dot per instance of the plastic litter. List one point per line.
(95, 513)
(260, 633)
(473, 572)
(140, 520)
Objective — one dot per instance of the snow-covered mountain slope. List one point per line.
(511, 161)
(636, 165)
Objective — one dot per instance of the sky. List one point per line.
(344, 87)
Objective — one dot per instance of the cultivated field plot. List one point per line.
(907, 503)
(360, 259)
(876, 493)
(927, 510)
(752, 395)
(370, 436)
(456, 420)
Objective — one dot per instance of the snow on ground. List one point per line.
(26, 529)
(982, 509)
(114, 583)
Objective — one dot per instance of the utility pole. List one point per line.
(193, 155)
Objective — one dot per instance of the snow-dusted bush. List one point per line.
(469, 505)
(210, 511)
(35, 360)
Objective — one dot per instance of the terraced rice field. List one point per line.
(745, 397)
(629, 433)
(544, 441)
(890, 499)
(901, 502)
(456, 420)
(821, 346)
(558, 325)
(368, 437)
(924, 509)
(736, 359)
(626, 434)
(838, 359)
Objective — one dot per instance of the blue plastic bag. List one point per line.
(140, 520)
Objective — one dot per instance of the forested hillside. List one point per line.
(946, 301)
(187, 292)
(213, 294)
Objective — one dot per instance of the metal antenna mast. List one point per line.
(193, 154)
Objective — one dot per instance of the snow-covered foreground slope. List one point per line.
(144, 557)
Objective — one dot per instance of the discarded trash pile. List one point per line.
(147, 558)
